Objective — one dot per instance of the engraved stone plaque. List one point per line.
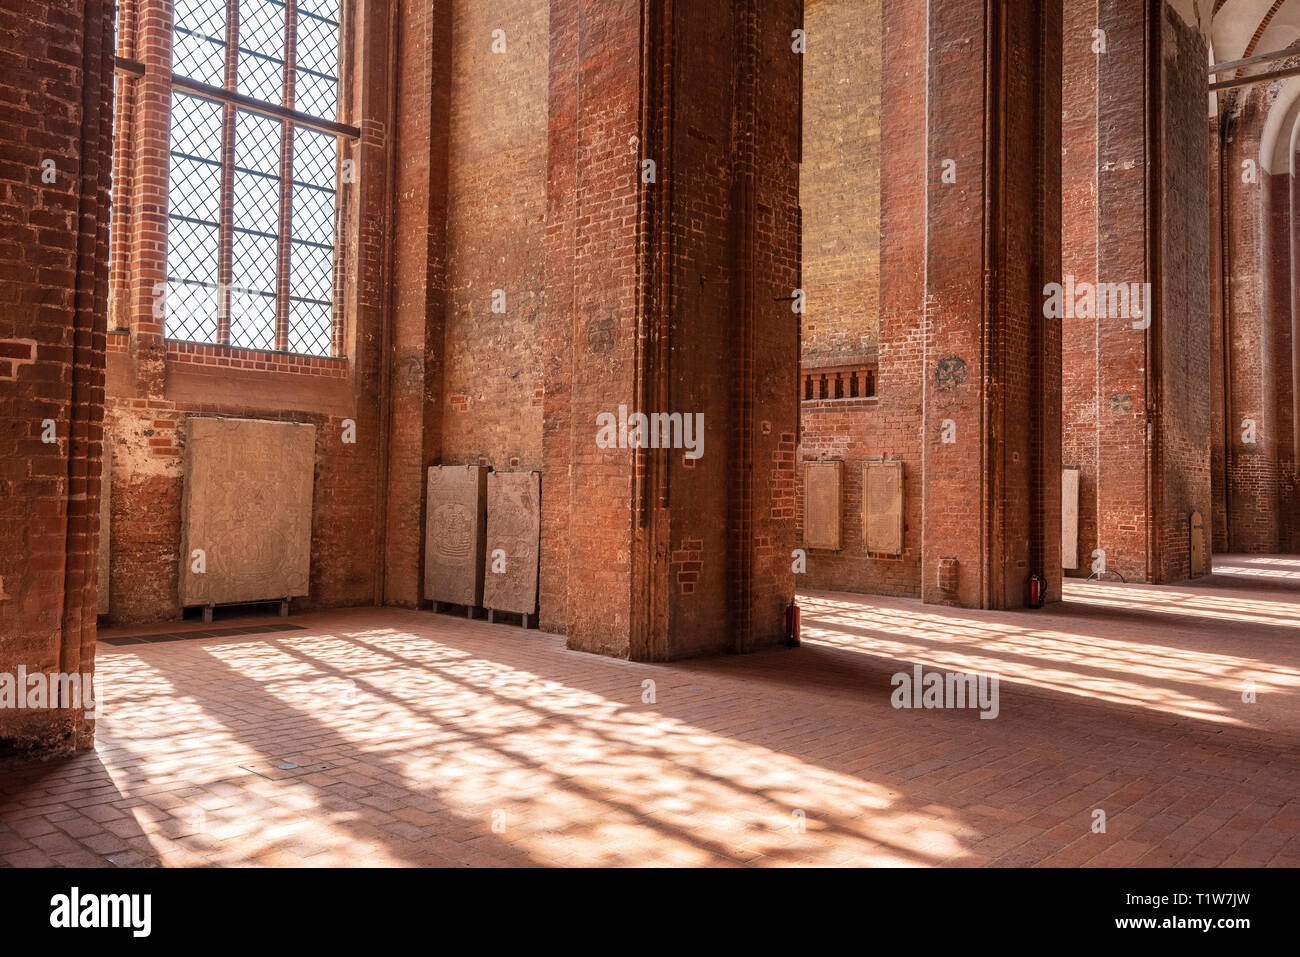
(247, 507)
(882, 507)
(105, 487)
(1200, 560)
(514, 509)
(822, 482)
(1070, 518)
(456, 496)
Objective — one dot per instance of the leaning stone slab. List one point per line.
(455, 501)
(246, 510)
(514, 508)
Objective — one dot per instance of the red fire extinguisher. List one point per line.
(792, 625)
(1037, 590)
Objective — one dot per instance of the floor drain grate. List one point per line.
(283, 768)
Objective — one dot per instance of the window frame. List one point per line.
(232, 102)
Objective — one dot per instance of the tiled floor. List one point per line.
(423, 739)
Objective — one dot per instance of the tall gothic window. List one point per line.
(253, 178)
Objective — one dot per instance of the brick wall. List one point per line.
(1251, 467)
(55, 149)
(1138, 486)
(1184, 312)
(888, 426)
(839, 177)
(1082, 407)
(496, 223)
(154, 385)
(661, 296)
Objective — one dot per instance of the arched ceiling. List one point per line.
(1243, 28)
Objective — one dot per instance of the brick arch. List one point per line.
(1263, 25)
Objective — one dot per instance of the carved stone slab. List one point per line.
(822, 482)
(1200, 555)
(247, 506)
(882, 507)
(105, 488)
(1070, 518)
(456, 497)
(514, 510)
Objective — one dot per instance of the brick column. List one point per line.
(151, 143)
(1251, 467)
(992, 362)
(1136, 398)
(52, 352)
(1291, 531)
(416, 309)
(663, 286)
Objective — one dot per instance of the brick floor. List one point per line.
(455, 742)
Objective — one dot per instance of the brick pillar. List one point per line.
(57, 145)
(1292, 511)
(1082, 408)
(1280, 226)
(417, 287)
(1179, 337)
(1251, 466)
(151, 143)
(1218, 317)
(991, 359)
(663, 285)
(1135, 387)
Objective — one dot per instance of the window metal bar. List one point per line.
(245, 102)
(284, 263)
(226, 250)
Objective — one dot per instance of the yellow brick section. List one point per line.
(839, 183)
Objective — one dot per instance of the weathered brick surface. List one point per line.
(991, 361)
(1183, 317)
(626, 255)
(154, 384)
(496, 224)
(1253, 479)
(1136, 400)
(889, 426)
(839, 177)
(415, 308)
(55, 162)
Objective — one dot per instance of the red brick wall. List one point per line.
(410, 389)
(496, 225)
(992, 498)
(1252, 472)
(1218, 425)
(661, 296)
(1105, 387)
(53, 293)
(1184, 314)
(1291, 499)
(1136, 491)
(154, 385)
(1082, 407)
(889, 426)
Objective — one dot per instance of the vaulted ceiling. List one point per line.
(1244, 28)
